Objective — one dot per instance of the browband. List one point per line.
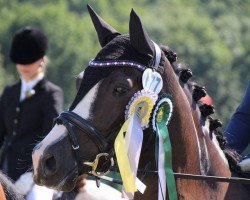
(127, 63)
(120, 63)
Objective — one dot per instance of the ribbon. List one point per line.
(128, 150)
(133, 141)
(123, 160)
(164, 110)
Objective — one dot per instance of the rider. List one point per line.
(28, 106)
(237, 131)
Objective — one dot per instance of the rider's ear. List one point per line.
(139, 37)
(105, 32)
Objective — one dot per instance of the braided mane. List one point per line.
(197, 93)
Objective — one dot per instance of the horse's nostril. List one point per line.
(50, 165)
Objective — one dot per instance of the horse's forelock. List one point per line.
(91, 77)
(118, 49)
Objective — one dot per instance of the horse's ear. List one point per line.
(105, 32)
(79, 78)
(138, 36)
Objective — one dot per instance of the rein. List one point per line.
(212, 178)
(189, 176)
(72, 121)
(204, 177)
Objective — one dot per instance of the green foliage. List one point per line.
(210, 36)
(4, 77)
(67, 37)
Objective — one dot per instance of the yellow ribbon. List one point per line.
(123, 160)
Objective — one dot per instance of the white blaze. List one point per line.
(81, 75)
(58, 131)
(83, 108)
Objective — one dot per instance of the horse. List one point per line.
(8, 190)
(82, 139)
(87, 190)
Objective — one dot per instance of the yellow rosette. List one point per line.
(139, 107)
(142, 105)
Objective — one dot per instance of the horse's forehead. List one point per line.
(92, 75)
(122, 74)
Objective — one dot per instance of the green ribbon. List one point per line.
(162, 129)
(114, 175)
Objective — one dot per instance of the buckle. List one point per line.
(95, 163)
(75, 147)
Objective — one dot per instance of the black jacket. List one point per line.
(23, 124)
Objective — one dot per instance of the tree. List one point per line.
(211, 37)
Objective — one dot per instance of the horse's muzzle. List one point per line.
(54, 167)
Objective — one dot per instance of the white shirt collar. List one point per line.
(28, 85)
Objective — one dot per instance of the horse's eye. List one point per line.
(120, 90)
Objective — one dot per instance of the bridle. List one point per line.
(73, 121)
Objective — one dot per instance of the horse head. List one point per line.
(82, 139)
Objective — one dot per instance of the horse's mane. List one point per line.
(9, 188)
(206, 110)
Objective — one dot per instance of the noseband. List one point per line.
(72, 121)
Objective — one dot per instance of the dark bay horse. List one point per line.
(94, 119)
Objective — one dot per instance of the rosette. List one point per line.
(141, 104)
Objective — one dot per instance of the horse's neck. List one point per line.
(192, 150)
(213, 160)
(183, 136)
(182, 129)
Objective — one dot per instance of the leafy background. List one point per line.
(211, 37)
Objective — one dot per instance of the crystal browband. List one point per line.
(120, 63)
